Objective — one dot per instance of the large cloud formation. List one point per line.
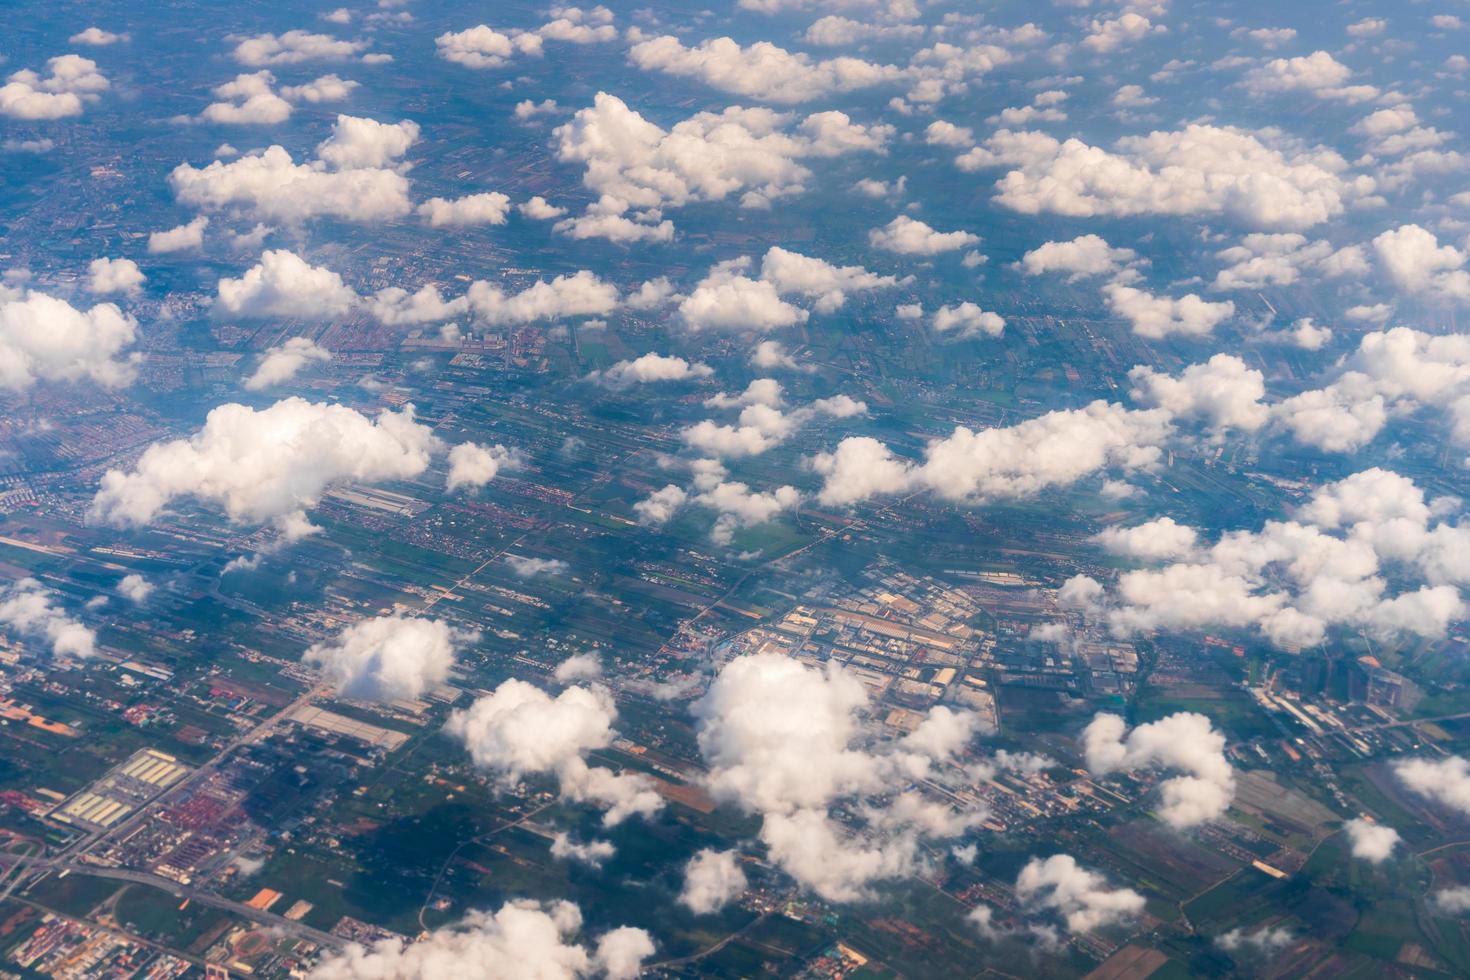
(784, 740)
(1261, 180)
(268, 465)
(522, 940)
(43, 338)
(390, 658)
(1184, 741)
(519, 730)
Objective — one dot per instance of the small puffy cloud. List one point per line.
(327, 88)
(1308, 335)
(967, 320)
(763, 70)
(1367, 27)
(293, 47)
(592, 853)
(525, 567)
(581, 667)
(135, 587)
(28, 608)
(1085, 255)
(1415, 262)
(180, 239)
(828, 284)
(284, 361)
(106, 276)
(248, 100)
(96, 37)
(1258, 179)
(727, 300)
(580, 294)
(660, 506)
(389, 658)
(74, 81)
(711, 880)
(539, 209)
(519, 730)
(1453, 901)
(483, 47)
(651, 368)
(523, 939)
(43, 338)
(1112, 33)
(1372, 842)
(942, 133)
(909, 236)
(282, 284)
(1156, 317)
(355, 177)
(1281, 259)
(770, 355)
(267, 465)
(1081, 897)
(1184, 741)
(475, 209)
(1155, 540)
(1223, 392)
(738, 505)
(472, 465)
(1445, 781)
(1317, 74)
(1266, 941)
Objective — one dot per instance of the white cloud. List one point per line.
(1267, 940)
(1259, 179)
(661, 505)
(27, 608)
(248, 100)
(836, 31)
(828, 284)
(727, 300)
(592, 853)
(580, 667)
(282, 284)
(43, 338)
(1445, 780)
(115, 276)
(711, 880)
(770, 355)
(1156, 317)
(180, 239)
(1415, 262)
(74, 81)
(638, 167)
(763, 70)
(519, 730)
(1453, 901)
(738, 505)
(294, 47)
(580, 294)
(1318, 74)
(524, 939)
(1110, 34)
(327, 88)
(968, 320)
(284, 361)
(1154, 540)
(539, 209)
(1184, 741)
(1372, 842)
(1279, 259)
(351, 179)
(941, 133)
(135, 587)
(1079, 896)
(1367, 27)
(909, 236)
(651, 368)
(531, 567)
(1085, 255)
(473, 465)
(389, 658)
(484, 47)
(96, 37)
(1223, 392)
(268, 465)
(474, 209)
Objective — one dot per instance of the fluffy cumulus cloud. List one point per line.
(29, 609)
(1317, 74)
(294, 47)
(1186, 742)
(764, 421)
(910, 236)
(1265, 941)
(1281, 259)
(761, 71)
(1081, 898)
(1445, 781)
(659, 507)
(711, 880)
(638, 168)
(72, 82)
(283, 284)
(1156, 317)
(43, 338)
(1394, 372)
(472, 465)
(1085, 255)
(135, 587)
(268, 465)
(106, 276)
(1294, 579)
(651, 368)
(1258, 179)
(727, 299)
(489, 208)
(1413, 260)
(356, 176)
(791, 272)
(523, 939)
(519, 730)
(389, 658)
(1110, 34)
(284, 361)
(180, 239)
(1055, 449)
(1223, 392)
(252, 98)
(563, 297)
(967, 320)
(785, 741)
(1371, 842)
(484, 47)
